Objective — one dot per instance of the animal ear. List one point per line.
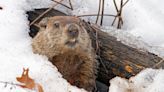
(43, 23)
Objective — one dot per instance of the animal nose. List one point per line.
(73, 31)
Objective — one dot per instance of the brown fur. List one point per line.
(76, 63)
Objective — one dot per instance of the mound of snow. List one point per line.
(16, 52)
(149, 80)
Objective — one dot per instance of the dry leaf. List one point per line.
(40, 89)
(29, 82)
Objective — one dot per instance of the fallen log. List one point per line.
(116, 58)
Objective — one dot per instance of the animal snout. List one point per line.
(73, 31)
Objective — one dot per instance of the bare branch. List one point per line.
(102, 12)
(70, 3)
(160, 62)
(49, 9)
(114, 20)
(10, 83)
(62, 4)
(119, 14)
(98, 14)
(115, 5)
(125, 3)
(98, 49)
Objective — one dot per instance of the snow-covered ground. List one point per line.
(148, 80)
(141, 18)
(16, 52)
(143, 29)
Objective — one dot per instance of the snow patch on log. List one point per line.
(136, 42)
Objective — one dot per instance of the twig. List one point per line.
(44, 13)
(114, 20)
(63, 4)
(102, 12)
(119, 13)
(115, 5)
(98, 49)
(70, 3)
(9, 83)
(37, 25)
(161, 61)
(116, 10)
(125, 3)
(98, 14)
(92, 30)
(97, 42)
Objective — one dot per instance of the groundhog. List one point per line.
(67, 44)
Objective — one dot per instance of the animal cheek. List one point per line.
(63, 36)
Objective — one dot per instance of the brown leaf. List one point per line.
(40, 89)
(28, 82)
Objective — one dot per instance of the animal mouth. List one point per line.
(71, 42)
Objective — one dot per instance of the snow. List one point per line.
(16, 52)
(133, 41)
(149, 17)
(141, 18)
(143, 22)
(149, 80)
(142, 29)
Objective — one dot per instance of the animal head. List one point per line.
(66, 32)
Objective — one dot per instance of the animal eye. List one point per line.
(56, 24)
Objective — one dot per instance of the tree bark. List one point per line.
(119, 59)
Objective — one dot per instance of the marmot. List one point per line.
(68, 46)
